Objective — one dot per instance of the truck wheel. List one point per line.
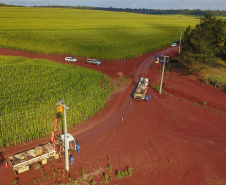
(63, 154)
(50, 159)
(36, 166)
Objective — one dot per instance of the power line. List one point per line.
(142, 67)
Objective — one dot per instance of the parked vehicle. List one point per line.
(141, 89)
(173, 44)
(93, 61)
(70, 59)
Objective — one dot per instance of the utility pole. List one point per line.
(164, 62)
(65, 140)
(62, 107)
(180, 42)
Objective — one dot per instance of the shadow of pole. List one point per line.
(135, 84)
(2, 159)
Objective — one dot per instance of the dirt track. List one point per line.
(169, 140)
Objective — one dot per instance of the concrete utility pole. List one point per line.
(65, 140)
(180, 41)
(164, 62)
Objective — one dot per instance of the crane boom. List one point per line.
(53, 137)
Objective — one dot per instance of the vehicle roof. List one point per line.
(69, 136)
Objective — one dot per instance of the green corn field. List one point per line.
(30, 90)
(88, 33)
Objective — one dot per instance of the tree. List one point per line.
(203, 44)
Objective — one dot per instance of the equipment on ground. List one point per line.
(42, 154)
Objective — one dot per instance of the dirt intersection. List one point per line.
(172, 139)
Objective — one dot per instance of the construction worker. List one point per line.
(72, 160)
(71, 145)
(60, 101)
(78, 147)
(146, 99)
(149, 96)
(157, 60)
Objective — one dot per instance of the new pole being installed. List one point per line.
(65, 140)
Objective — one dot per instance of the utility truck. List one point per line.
(141, 89)
(42, 154)
(142, 86)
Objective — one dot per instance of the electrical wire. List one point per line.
(34, 112)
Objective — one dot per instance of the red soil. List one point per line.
(169, 140)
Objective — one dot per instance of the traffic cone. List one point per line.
(130, 103)
(6, 165)
(122, 120)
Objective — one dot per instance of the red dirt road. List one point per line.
(169, 140)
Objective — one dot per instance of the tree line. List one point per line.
(148, 11)
(168, 11)
(143, 10)
(5, 5)
(204, 45)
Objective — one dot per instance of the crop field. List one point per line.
(88, 33)
(30, 90)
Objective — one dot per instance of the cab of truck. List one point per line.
(146, 80)
(70, 139)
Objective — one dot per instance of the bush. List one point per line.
(109, 167)
(216, 81)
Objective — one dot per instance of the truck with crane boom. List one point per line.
(42, 154)
(142, 86)
(141, 89)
